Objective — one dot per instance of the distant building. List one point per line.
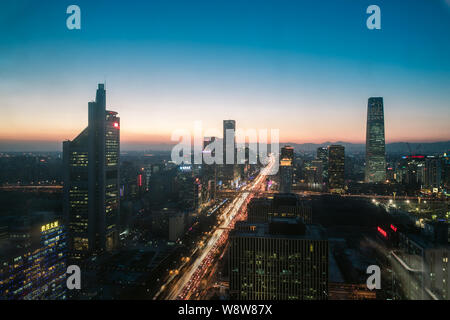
(433, 172)
(91, 182)
(375, 142)
(322, 154)
(286, 168)
(280, 260)
(189, 188)
(411, 170)
(209, 171)
(336, 168)
(313, 171)
(229, 170)
(168, 224)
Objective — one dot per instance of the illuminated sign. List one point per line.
(393, 227)
(49, 226)
(382, 232)
(285, 162)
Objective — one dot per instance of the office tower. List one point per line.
(375, 143)
(322, 154)
(229, 172)
(313, 172)
(411, 170)
(433, 172)
(280, 260)
(188, 187)
(91, 181)
(336, 165)
(34, 267)
(209, 171)
(286, 168)
(445, 167)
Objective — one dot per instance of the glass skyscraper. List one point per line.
(229, 167)
(336, 168)
(375, 142)
(91, 181)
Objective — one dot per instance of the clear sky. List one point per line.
(304, 67)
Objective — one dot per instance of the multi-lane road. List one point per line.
(184, 283)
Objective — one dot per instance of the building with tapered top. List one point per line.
(375, 171)
(91, 182)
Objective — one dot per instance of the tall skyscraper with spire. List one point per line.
(91, 181)
(375, 142)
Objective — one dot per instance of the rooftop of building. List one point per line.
(279, 228)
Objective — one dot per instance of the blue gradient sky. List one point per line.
(304, 67)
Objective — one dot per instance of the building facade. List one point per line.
(336, 168)
(375, 171)
(286, 168)
(91, 181)
(277, 261)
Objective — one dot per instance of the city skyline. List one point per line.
(166, 70)
(225, 152)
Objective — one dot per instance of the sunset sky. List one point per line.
(304, 67)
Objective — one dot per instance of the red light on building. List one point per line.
(140, 180)
(384, 233)
(116, 125)
(394, 228)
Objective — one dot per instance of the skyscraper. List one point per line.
(322, 154)
(375, 142)
(336, 166)
(209, 171)
(91, 181)
(33, 262)
(229, 158)
(286, 168)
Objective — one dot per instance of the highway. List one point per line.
(184, 283)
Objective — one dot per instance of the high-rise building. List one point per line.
(336, 167)
(209, 171)
(33, 266)
(229, 169)
(322, 154)
(375, 142)
(91, 181)
(286, 168)
(280, 260)
(433, 172)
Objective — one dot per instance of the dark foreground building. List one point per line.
(281, 260)
(336, 168)
(91, 182)
(282, 205)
